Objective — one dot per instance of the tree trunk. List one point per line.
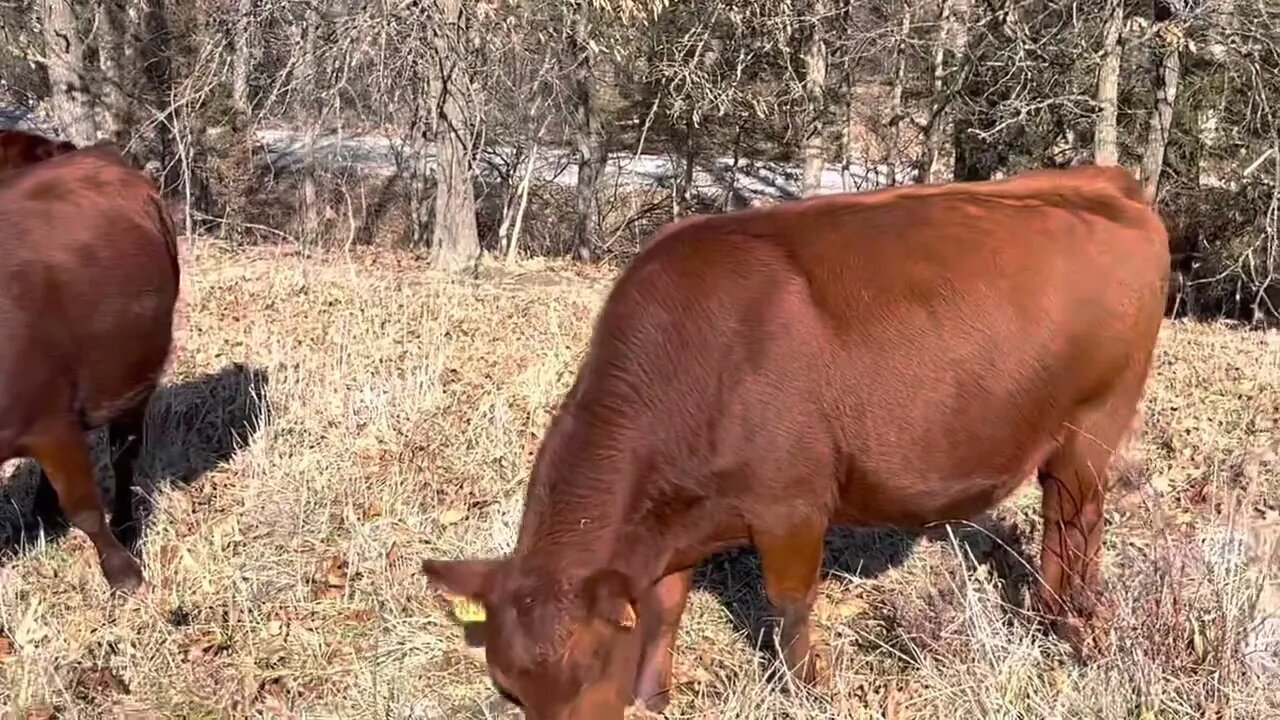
(455, 239)
(685, 186)
(1168, 73)
(115, 37)
(154, 66)
(733, 196)
(813, 148)
(975, 157)
(242, 58)
(952, 15)
(311, 110)
(896, 110)
(847, 127)
(513, 242)
(71, 105)
(418, 171)
(1105, 145)
(587, 136)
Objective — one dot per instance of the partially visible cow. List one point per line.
(899, 357)
(19, 149)
(89, 276)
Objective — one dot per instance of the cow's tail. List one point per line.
(169, 231)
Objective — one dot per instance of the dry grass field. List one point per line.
(331, 420)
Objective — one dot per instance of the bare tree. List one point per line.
(813, 146)
(114, 39)
(455, 239)
(1105, 145)
(64, 59)
(1168, 73)
(242, 55)
(897, 111)
(586, 133)
(948, 47)
(311, 96)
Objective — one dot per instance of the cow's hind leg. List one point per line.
(63, 453)
(125, 439)
(45, 505)
(1074, 481)
(791, 558)
(660, 619)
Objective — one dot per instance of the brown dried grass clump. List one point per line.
(330, 420)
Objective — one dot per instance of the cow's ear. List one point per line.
(466, 578)
(607, 594)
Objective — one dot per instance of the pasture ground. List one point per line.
(331, 420)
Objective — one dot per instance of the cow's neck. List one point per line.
(584, 499)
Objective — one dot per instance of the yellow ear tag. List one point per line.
(467, 610)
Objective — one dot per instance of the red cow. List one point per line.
(19, 149)
(88, 280)
(899, 357)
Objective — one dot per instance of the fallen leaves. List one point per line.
(450, 516)
(40, 712)
(330, 581)
(272, 648)
(849, 607)
(272, 698)
(99, 682)
(225, 533)
(360, 616)
(208, 645)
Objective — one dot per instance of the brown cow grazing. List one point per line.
(899, 357)
(19, 149)
(88, 281)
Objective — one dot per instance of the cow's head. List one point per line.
(19, 149)
(559, 648)
(52, 149)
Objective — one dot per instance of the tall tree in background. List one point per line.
(586, 132)
(1105, 144)
(242, 55)
(309, 104)
(1168, 62)
(897, 111)
(115, 40)
(813, 146)
(948, 50)
(71, 103)
(455, 239)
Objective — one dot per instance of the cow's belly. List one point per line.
(915, 492)
(915, 503)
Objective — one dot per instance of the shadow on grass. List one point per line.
(193, 426)
(735, 580)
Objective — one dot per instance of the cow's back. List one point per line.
(933, 340)
(88, 282)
